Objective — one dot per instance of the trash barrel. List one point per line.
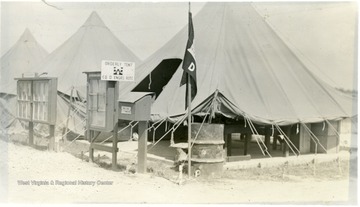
(207, 153)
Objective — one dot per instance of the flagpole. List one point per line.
(189, 123)
(189, 117)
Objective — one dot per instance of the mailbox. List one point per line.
(36, 99)
(100, 102)
(136, 106)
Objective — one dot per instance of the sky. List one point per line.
(323, 34)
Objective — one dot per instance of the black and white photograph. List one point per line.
(242, 102)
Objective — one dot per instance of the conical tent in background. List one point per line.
(20, 59)
(23, 56)
(84, 51)
(244, 69)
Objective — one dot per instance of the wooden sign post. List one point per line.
(102, 110)
(101, 113)
(105, 108)
(137, 107)
(142, 146)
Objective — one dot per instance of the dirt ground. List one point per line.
(30, 175)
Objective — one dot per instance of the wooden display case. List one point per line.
(37, 99)
(101, 102)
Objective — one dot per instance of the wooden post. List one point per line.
(89, 133)
(52, 138)
(142, 146)
(246, 144)
(228, 144)
(115, 149)
(31, 123)
(275, 138)
(225, 146)
(286, 147)
(91, 154)
(267, 136)
(31, 133)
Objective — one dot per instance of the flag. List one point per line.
(189, 63)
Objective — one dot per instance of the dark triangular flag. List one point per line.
(189, 63)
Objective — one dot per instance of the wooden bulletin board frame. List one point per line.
(49, 115)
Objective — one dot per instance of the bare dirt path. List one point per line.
(20, 164)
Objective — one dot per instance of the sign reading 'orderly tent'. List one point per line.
(117, 70)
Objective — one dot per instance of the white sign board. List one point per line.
(125, 109)
(117, 70)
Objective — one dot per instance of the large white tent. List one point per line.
(244, 69)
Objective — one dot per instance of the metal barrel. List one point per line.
(207, 153)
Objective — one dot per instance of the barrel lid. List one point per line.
(208, 160)
(208, 141)
(183, 145)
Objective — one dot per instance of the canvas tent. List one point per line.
(24, 58)
(24, 55)
(84, 51)
(244, 69)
